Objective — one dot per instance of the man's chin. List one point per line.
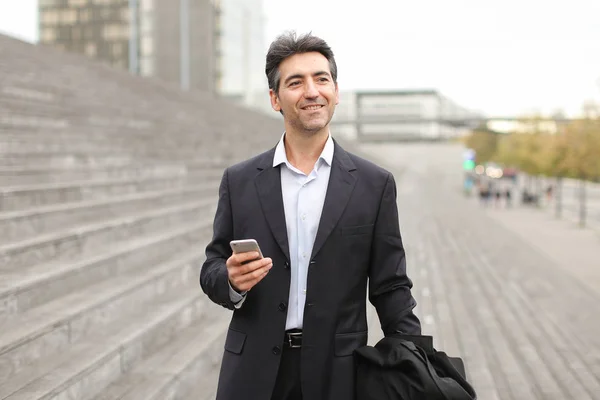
(314, 126)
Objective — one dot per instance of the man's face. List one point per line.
(307, 94)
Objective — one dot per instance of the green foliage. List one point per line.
(572, 150)
(582, 153)
(484, 142)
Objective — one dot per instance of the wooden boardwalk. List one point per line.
(513, 293)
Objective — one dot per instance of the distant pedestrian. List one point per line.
(507, 194)
(549, 192)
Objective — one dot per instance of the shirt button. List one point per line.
(276, 350)
(303, 217)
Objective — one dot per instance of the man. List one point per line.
(326, 222)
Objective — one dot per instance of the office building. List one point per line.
(209, 45)
(241, 52)
(170, 40)
(401, 115)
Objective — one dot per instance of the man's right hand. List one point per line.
(243, 277)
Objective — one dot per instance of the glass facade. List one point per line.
(240, 50)
(146, 37)
(97, 28)
(220, 48)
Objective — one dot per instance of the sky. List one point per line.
(498, 57)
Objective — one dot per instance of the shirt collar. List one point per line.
(281, 157)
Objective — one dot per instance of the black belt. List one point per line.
(293, 338)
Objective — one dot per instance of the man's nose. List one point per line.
(311, 91)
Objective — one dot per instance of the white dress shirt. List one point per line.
(303, 198)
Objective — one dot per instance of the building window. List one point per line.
(77, 3)
(117, 50)
(69, 17)
(146, 5)
(50, 17)
(76, 34)
(91, 49)
(146, 45)
(146, 23)
(114, 32)
(48, 35)
(146, 66)
(84, 15)
(105, 13)
(125, 14)
(88, 32)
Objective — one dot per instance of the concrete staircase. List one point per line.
(108, 185)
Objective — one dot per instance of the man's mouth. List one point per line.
(312, 107)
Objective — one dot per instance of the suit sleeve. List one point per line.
(213, 274)
(389, 285)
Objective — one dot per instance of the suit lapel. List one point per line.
(268, 186)
(340, 187)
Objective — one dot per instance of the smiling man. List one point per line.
(326, 222)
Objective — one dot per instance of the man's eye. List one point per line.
(294, 83)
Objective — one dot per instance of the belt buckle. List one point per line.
(290, 343)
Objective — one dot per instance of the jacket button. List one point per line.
(276, 350)
(282, 306)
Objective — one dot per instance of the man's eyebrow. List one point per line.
(291, 77)
(300, 76)
(321, 73)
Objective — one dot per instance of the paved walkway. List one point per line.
(514, 293)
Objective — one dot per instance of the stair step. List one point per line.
(32, 107)
(86, 368)
(159, 152)
(32, 149)
(25, 196)
(67, 136)
(54, 327)
(17, 225)
(26, 289)
(177, 369)
(80, 241)
(12, 175)
(69, 159)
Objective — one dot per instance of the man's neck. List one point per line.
(303, 150)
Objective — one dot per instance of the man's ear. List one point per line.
(337, 94)
(274, 100)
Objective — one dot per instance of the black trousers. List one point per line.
(287, 385)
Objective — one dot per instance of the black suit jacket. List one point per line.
(358, 241)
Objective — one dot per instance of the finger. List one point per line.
(254, 274)
(241, 258)
(254, 265)
(249, 284)
(242, 274)
(235, 270)
(236, 260)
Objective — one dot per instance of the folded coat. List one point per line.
(406, 367)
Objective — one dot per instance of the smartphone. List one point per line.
(244, 246)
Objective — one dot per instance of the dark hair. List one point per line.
(287, 45)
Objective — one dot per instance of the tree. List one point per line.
(484, 142)
(582, 158)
